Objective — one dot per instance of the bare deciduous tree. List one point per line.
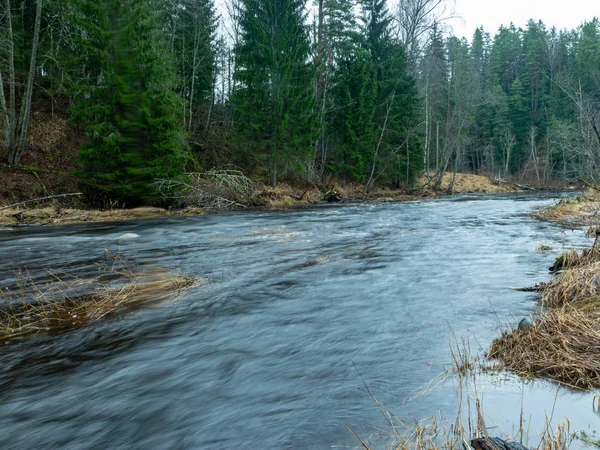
(15, 126)
(415, 19)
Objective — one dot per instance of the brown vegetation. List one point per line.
(57, 215)
(564, 342)
(68, 303)
(467, 183)
(582, 210)
(48, 163)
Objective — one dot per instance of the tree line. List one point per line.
(286, 90)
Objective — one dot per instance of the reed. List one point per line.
(66, 303)
(564, 342)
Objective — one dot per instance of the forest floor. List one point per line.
(563, 343)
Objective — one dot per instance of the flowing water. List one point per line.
(262, 354)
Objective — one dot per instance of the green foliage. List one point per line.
(127, 105)
(274, 101)
(355, 136)
(293, 104)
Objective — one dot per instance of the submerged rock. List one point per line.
(526, 322)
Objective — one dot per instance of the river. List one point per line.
(262, 354)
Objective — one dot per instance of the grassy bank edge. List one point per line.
(563, 342)
(263, 197)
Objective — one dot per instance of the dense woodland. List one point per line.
(284, 90)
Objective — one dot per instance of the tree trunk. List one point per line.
(4, 111)
(383, 131)
(12, 131)
(273, 175)
(14, 158)
(192, 93)
(212, 104)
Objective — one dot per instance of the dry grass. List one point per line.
(564, 342)
(67, 303)
(466, 183)
(563, 345)
(574, 258)
(56, 215)
(584, 209)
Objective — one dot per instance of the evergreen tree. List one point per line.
(274, 101)
(398, 154)
(127, 105)
(352, 122)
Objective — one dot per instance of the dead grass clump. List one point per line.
(544, 247)
(583, 209)
(224, 189)
(563, 345)
(573, 258)
(60, 306)
(465, 183)
(579, 286)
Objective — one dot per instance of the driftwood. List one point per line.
(539, 287)
(39, 200)
(495, 443)
(299, 197)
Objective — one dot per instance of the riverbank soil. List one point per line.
(58, 215)
(563, 344)
(48, 163)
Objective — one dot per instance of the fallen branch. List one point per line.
(40, 199)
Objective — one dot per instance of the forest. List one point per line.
(358, 91)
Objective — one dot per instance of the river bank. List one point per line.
(563, 342)
(263, 197)
(583, 210)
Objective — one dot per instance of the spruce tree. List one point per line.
(397, 154)
(126, 104)
(274, 100)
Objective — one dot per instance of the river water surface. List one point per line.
(261, 355)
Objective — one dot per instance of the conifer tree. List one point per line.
(274, 100)
(397, 154)
(126, 104)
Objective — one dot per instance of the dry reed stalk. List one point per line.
(56, 307)
(438, 433)
(563, 345)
